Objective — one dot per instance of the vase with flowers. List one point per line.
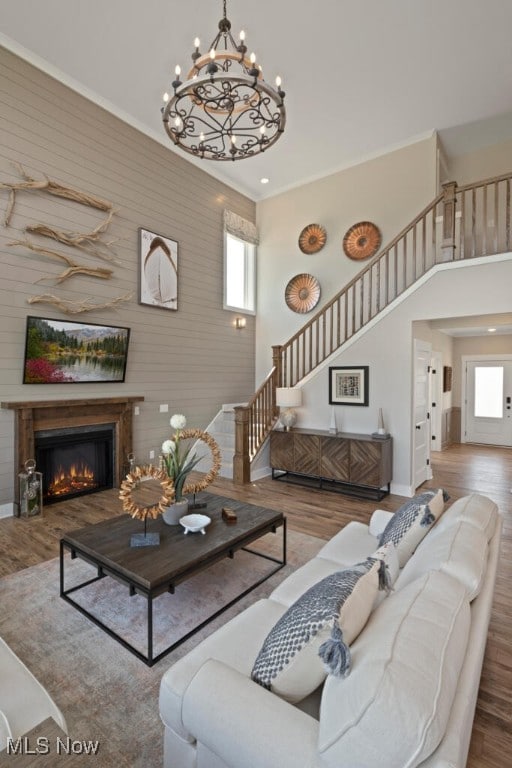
(178, 462)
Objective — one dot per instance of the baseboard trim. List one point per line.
(258, 474)
(7, 510)
(402, 490)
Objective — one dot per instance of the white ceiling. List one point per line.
(361, 77)
(475, 325)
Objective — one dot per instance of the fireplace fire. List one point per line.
(78, 478)
(75, 461)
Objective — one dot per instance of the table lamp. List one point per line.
(288, 398)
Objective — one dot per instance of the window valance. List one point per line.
(240, 227)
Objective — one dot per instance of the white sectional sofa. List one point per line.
(24, 702)
(410, 696)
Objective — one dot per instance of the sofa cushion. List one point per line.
(459, 549)
(352, 544)
(478, 510)
(412, 521)
(302, 579)
(236, 643)
(288, 662)
(393, 708)
(378, 521)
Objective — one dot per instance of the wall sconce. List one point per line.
(288, 398)
(240, 322)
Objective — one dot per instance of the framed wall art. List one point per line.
(71, 352)
(158, 270)
(349, 385)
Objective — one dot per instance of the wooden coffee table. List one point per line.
(151, 571)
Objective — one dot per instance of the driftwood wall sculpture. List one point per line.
(91, 243)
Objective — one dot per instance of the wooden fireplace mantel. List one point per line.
(32, 416)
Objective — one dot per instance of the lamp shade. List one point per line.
(288, 397)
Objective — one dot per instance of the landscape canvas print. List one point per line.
(66, 352)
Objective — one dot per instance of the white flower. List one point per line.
(178, 421)
(168, 446)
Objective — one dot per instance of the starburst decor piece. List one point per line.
(224, 109)
(177, 463)
(312, 238)
(302, 293)
(132, 482)
(362, 240)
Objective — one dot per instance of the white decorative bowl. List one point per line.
(195, 523)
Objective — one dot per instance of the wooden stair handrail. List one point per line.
(365, 269)
(412, 253)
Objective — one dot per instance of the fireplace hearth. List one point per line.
(38, 417)
(75, 461)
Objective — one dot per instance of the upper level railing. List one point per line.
(461, 223)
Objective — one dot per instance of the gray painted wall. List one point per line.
(193, 359)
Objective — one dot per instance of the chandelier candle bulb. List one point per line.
(176, 82)
(195, 54)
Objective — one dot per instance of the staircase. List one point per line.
(222, 429)
(461, 223)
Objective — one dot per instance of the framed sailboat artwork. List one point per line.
(158, 270)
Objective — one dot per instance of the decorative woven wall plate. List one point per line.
(302, 293)
(312, 238)
(362, 240)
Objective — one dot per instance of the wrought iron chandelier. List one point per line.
(224, 110)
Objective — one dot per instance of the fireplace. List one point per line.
(42, 417)
(75, 461)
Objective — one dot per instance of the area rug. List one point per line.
(105, 693)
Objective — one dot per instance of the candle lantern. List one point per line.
(129, 466)
(131, 461)
(31, 490)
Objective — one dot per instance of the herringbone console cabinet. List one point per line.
(350, 463)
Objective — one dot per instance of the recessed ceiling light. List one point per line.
(491, 330)
(264, 180)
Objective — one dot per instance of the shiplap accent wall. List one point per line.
(193, 359)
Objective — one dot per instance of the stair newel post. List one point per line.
(241, 459)
(277, 380)
(449, 211)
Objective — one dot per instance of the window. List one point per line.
(239, 274)
(489, 392)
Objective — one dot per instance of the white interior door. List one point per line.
(421, 424)
(436, 401)
(489, 402)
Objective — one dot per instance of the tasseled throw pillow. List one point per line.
(312, 638)
(412, 521)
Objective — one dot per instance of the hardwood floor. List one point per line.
(461, 469)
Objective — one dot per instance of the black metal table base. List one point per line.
(150, 658)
